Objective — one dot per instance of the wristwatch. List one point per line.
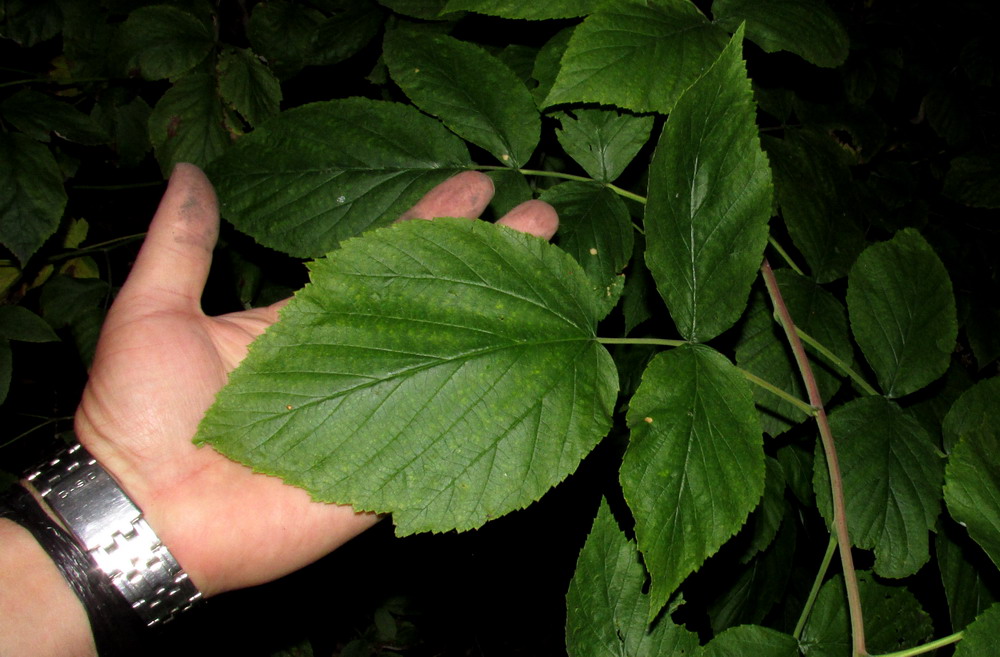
(111, 528)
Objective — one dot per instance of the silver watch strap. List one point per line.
(111, 528)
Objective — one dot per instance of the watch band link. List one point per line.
(111, 529)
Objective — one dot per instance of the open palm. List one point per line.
(160, 361)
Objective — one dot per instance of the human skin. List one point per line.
(159, 363)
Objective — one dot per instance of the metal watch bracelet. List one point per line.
(110, 527)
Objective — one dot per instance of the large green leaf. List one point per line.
(902, 311)
(594, 226)
(694, 468)
(32, 197)
(892, 476)
(444, 371)
(526, 9)
(812, 185)
(751, 640)
(972, 487)
(893, 617)
(709, 201)
(166, 41)
(603, 141)
(249, 85)
(321, 173)
(763, 349)
(980, 638)
(808, 28)
(19, 323)
(607, 612)
(470, 90)
(188, 124)
(637, 55)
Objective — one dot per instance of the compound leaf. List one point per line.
(902, 311)
(318, 174)
(637, 55)
(473, 93)
(892, 478)
(694, 468)
(606, 610)
(709, 201)
(446, 372)
(808, 28)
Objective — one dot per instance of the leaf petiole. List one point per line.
(836, 361)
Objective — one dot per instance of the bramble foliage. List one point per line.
(449, 373)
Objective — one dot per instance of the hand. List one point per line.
(159, 363)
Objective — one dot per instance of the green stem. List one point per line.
(817, 584)
(836, 361)
(567, 176)
(115, 188)
(76, 253)
(784, 255)
(832, 462)
(926, 647)
(778, 392)
(647, 341)
(753, 378)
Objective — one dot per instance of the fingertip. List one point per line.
(534, 217)
(463, 195)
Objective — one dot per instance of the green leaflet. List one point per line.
(188, 123)
(594, 227)
(607, 613)
(473, 93)
(321, 173)
(972, 487)
(424, 9)
(808, 28)
(980, 638)
(526, 9)
(603, 141)
(246, 83)
(974, 181)
(637, 55)
(892, 477)
(32, 197)
(694, 468)
(166, 41)
(976, 410)
(763, 349)
(965, 586)
(902, 311)
(893, 616)
(709, 201)
(751, 640)
(19, 323)
(444, 371)
(812, 181)
(39, 115)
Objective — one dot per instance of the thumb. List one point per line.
(173, 263)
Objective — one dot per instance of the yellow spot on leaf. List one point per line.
(593, 252)
(648, 420)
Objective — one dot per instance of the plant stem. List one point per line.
(833, 464)
(35, 428)
(567, 176)
(926, 647)
(778, 392)
(648, 341)
(837, 362)
(817, 584)
(784, 255)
